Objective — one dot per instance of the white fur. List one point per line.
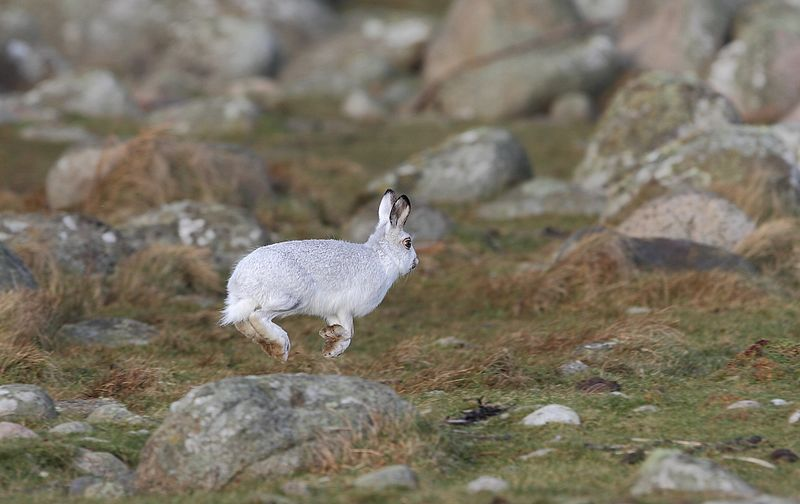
(332, 279)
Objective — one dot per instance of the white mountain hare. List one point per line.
(332, 279)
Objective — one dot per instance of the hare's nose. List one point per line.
(414, 264)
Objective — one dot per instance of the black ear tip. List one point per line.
(405, 198)
(388, 191)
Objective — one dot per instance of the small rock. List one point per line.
(672, 470)
(572, 107)
(646, 408)
(72, 428)
(21, 401)
(573, 367)
(359, 105)
(541, 452)
(115, 413)
(638, 310)
(102, 464)
(82, 407)
(597, 385)
(94, 487)
(111, 332)
(617, 393)
(779, 402)
(552, 413)
(600, 346)
(783, 455)
(746, 404)
(451, 342)
(487, 484)
(10, 430)
(761, 499)
(794, 417)
(396, 476)
(296, 487)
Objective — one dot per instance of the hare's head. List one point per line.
(392, 215)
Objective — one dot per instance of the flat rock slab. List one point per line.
(25, 402)
(82, 408)
(10, 430)
(261, 426)
(396, 476)
(110, 332)
(672, 470)
(552, 413)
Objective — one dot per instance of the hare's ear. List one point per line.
(400, 211)
(389, 197)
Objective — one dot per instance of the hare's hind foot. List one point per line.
(336, 340)
(274, 343)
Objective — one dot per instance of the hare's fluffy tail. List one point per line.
(237, 310)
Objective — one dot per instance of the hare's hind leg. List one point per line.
(269, 335)
(337, 335)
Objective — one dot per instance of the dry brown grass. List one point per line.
(645, 345)
(126, 378)
(597, 274)
(412, 366)
(25, 363)
(155, 168)
(384, 442)
(155, 275)
(775, 248)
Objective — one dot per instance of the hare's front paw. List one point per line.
(336, 340)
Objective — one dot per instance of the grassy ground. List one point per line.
(687, 356)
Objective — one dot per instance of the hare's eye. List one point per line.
(407, 243)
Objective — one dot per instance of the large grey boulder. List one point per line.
(13, 272)
(110, 332)
(646, 113)
(543, 196)
(697, 216)
(649, 254)
(470, 166)
(25, 402)
(262, 426)
(71, 180)
(672, 470)
(756, 69)
(522, 83)
(77, 243)
(96, 93)
(755, 168)
(367, 52)
(679, 35)
(229, 232)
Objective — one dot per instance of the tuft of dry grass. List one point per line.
(644, 346)
(25, 316)
(128, 377)
(153, 276)
(775, 249)
(599, 274)
(383, 443)
(26, 363)
(155, 168)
